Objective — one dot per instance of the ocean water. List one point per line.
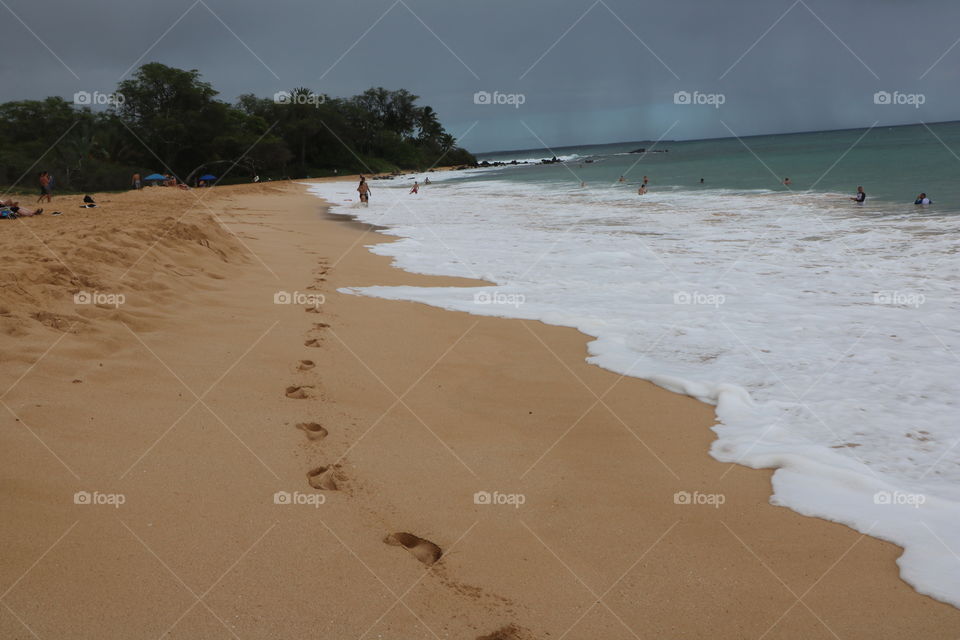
(824, 332)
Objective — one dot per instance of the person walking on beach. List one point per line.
(137, 183)
(416, 187)
(44, 187)
(861, 196)
(364, 190)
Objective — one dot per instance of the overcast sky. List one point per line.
(588, 71)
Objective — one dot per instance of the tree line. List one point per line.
(168, 120)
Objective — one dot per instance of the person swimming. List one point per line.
(923, 199)
(861, 196)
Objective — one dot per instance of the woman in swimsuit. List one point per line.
(364, 189)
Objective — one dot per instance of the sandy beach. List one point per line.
(204, 439)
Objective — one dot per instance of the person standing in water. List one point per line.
(644, 180)
(621, 179)
(416, 187)
(787, 182)
(861, 196)
(364, 190)
(642, 190)
(923, 199)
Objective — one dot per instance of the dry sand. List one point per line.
(185, 402)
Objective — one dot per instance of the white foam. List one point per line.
(825, 334)
(537, 160)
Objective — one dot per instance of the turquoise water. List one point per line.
(893, 164)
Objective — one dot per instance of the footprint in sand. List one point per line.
(320, 325)
(306, 365)
(323, 478)
(509, 632)
(423, 550)
(298, 393)
(312, 342)
(314, 430)
(312, 309)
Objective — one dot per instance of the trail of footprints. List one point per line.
(331, 477)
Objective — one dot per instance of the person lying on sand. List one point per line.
(18, 212)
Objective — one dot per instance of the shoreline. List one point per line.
(422, 409)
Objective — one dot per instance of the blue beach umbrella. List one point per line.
(154, 176)
(208, 177)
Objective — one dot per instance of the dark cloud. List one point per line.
(589, 71)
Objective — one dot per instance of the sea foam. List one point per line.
(825, 334)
